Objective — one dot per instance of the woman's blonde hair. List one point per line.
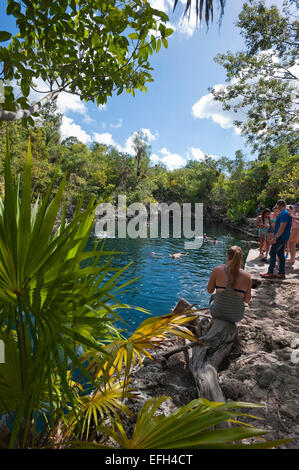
(234, 263)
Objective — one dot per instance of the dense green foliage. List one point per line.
(49, 301)
(90, 48)
(263, 78)
(57, 301)
(56, 317)
(232, 185)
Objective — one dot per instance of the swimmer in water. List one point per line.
(177, 255)
(205, 237)
(215, 240)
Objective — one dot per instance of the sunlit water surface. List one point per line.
(162, 279)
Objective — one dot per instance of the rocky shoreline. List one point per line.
(262, 367)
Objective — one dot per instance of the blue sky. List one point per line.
(177, 113)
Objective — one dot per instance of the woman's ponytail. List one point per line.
(234, 263)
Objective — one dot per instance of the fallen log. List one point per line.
(205, 357)
(205, 360)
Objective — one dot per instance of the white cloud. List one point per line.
(171, 160)
(65, 101)
(105, 138)
(88, 119)
(70, 129)
(207, 108)
(118, 124)
(155, 158)
(185, 25)
(175, 160)
(129, 145)
(148, 134)
(69, 102)
(188, 25)
(162, 5)
(164, 151)
(198, 154)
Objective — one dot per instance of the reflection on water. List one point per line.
(164, 279)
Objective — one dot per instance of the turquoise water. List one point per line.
(163, 280)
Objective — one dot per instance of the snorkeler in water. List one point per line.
(177, 255)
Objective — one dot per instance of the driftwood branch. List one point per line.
(182, 349)
(206, 360)
(215, 341)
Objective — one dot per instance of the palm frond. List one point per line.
(52, 291)
(125, 352)
(191, 427)
(199, 5)
(103, 402)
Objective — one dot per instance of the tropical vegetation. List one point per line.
(88, 48)
(67, 367)
(66, 378)
(262, 80)
(233, 186)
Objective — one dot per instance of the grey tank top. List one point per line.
(227, 305)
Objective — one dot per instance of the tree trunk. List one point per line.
(215, 342)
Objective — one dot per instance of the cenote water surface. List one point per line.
(163, 280)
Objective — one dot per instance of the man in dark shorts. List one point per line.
(281, 235)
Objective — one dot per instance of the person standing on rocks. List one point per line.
(282, 232)
(273, 215)
(264, 223)
(294, 236)
(233, 288)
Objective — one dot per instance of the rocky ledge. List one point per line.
(262, 366)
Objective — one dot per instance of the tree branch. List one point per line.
(24, 113)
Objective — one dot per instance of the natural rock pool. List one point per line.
(162, 279)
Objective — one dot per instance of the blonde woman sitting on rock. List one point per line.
(233, 288)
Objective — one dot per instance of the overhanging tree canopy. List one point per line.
(91, 48)
(263, 79)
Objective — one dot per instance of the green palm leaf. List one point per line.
(190, 427)
(52, 291)
(106, 401)
(125, 352)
